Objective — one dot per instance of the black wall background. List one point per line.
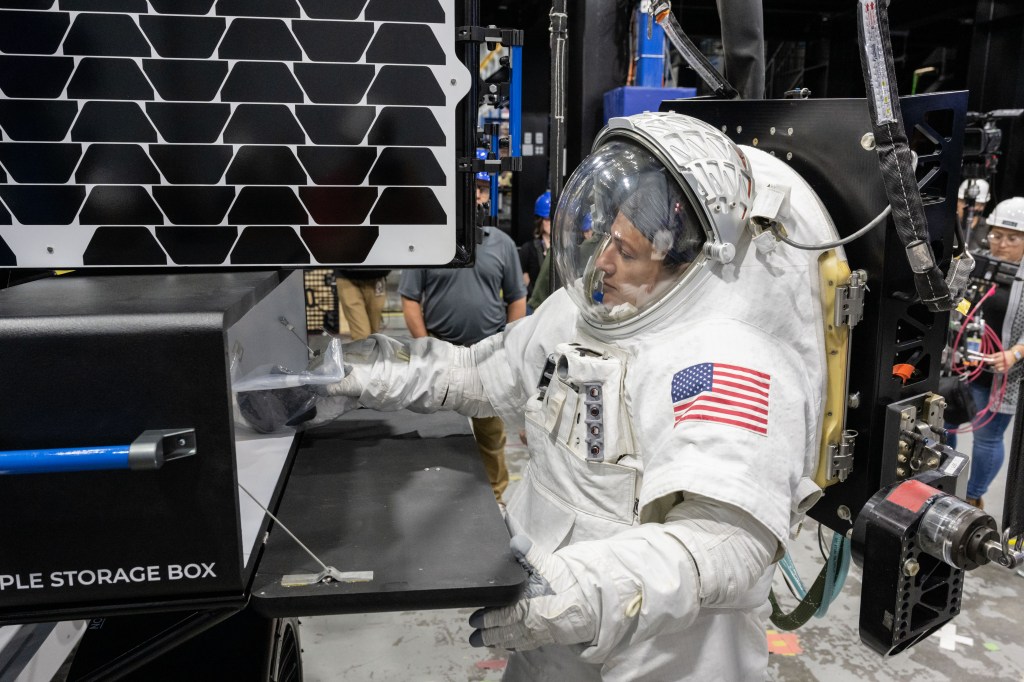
(975, 45)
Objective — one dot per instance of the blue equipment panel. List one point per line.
(635, 99)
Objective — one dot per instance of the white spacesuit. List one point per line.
(672, 396)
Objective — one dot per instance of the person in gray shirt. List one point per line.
(464, 306)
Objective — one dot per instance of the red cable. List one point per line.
(995, 396)
(990, 343)
(963, 326)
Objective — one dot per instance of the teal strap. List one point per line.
(826, 587)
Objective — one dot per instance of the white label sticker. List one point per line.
(952, 465)
(877, 74)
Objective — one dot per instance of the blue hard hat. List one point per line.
(482, 155)
(542, 209)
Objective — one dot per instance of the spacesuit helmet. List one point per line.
(652, 219)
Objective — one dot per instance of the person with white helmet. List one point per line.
(995, 399)
(673, 414)
(976, 190)
(971, 198)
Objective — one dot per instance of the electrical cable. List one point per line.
(990, 344)
(975, 372)
(960, 239)
(967, 320)
(839, 242)
(789, 587)
(862, 231)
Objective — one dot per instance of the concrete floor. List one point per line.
(985, 642)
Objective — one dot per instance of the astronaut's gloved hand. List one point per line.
(422, 375)
(360, 357)
(553, 609)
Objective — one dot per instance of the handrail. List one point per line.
(146, 453)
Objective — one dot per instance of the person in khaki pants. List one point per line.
(361, 296)
(464, 306)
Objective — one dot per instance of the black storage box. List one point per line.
(95, 361)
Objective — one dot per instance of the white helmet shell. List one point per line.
(705, 160)
(983, 194)
(1008, 214)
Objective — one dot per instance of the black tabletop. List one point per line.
(416, 512)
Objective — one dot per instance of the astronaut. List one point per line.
(671, 392)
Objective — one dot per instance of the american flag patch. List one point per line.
(727, 394)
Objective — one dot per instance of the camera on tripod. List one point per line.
(982, 141)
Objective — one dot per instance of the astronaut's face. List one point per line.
(628, 262)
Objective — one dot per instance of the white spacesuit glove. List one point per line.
(553, 609)
(646, 581)
(422, 375)
(359, 359)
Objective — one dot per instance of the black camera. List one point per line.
(989, 270)
(982, 141)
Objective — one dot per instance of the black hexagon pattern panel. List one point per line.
(227, 132)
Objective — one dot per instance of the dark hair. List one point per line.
(657, 207)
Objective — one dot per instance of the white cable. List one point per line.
(840, 242)
(864, 230)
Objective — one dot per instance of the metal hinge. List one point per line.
(840, 456)
(492, 35)
(850, 300)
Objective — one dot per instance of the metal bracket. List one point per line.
(474, 165)
(495, 94)
(153, 448)
(492, 35)
(546, 374)
(327, 576)
(840, 456)
(850, 300)
(918, 448)
(935, 405)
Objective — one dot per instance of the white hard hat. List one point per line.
(982, 185)
(1008, 214)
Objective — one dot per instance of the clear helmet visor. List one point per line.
(626, 233)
